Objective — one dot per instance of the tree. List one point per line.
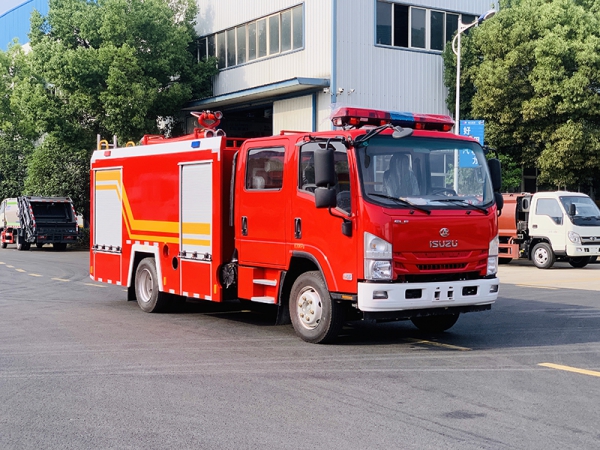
(16, 135)
(108, 67)
(533, 74)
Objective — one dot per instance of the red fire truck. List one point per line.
(387, 217)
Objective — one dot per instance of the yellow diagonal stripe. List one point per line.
(592, 373)
(147, 227)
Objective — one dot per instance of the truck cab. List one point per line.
(9, 221)
(563, 226)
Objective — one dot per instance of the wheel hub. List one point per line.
(309, 308)
(145, 286)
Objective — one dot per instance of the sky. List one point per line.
(7, 5)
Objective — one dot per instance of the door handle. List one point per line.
(244, 226)
(534, 226)
(298, 228)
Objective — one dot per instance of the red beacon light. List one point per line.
(358, 117)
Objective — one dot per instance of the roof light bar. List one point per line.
(359, 117)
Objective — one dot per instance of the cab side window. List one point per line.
(264, 168)
(549, 207)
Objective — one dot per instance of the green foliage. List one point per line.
(56, 169)
(108, 67)
(533, 71)
(16, 134)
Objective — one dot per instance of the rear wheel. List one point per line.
(543, 257)
(580, 261)
(315, 316)
(21, 244)
(435, 324)
(148, 296)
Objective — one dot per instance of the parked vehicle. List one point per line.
(9, 221)
(39, 221)
(550, 226)
(389, 217)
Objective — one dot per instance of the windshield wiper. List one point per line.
(464, 203)
(402, 202)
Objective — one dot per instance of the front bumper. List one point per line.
(409, 296)
(576, 251)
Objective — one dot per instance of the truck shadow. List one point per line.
(513, 322)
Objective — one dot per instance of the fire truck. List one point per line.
(389, 216)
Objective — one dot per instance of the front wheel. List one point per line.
(149, 298)
(4, 244)
(315, 316)
(579, 262)
(435, 324)
(543, 256)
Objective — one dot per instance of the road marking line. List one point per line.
(439, 344)
(592, 373)
(35, 275)
(2, 262)
(12, 267)
(537, 287)
(21, 270)
(59, 279)
(95, 285)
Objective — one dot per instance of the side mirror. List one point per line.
(324, 197)
(324, 168)
(499, 200)
(496, 173)
(572, 209)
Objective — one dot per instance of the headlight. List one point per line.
(378, 258)
(492, 262)
(574, 237)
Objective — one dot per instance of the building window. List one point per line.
(415, 27)
(271, 35)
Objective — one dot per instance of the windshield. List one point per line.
(586, 211)
(431, 172)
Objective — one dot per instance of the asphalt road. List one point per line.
(82, 368)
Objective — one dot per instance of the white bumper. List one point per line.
(407, 296)
(576, 251)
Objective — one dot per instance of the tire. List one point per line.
(4, 245)
(593, 259)
(315, 316)
(149, 298)
(579, 262)
(20, 244)
(59, 246)
(435, 324)
(542, 255)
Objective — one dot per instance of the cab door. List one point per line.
(261, 205)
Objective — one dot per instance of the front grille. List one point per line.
(441, 266)
(592, 240)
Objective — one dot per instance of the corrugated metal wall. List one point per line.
(371, 76)
(313, 61)
(390, 78)
(293, 114)
(15, 22)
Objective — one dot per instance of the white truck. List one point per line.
(550, 226)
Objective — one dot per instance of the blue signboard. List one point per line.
(473, 128)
